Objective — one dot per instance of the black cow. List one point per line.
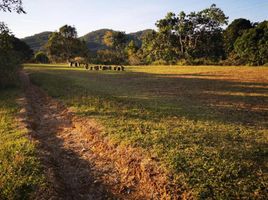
(97, 68)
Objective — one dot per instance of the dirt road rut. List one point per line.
(80, 164)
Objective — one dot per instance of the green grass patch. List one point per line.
(206, 125)
(20, 172)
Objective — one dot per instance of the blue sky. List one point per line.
(128, 15)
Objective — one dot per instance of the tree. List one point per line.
(11, 5)
(132, 52)
(234, 31)
(64, 45)
(9, 58)
(189, 36)
(23, 50)
(131, 48)
(68, 31)
(115, 39)
(41, 57)
(252, 46)
(205, 39)
(117, 42)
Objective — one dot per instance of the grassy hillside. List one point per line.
(19, 168)
(206, 125)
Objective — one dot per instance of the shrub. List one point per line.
(9, 58)
(41, 57)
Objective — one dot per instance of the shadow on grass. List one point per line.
(220, 159)
(196, 97)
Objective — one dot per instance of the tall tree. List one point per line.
(194, 35)
(252, 46)
(68, 31)
(23, 50)
(234, 31)
(115, 39)
(9, 58)
(64, 45)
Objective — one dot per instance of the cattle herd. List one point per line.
(97, 67)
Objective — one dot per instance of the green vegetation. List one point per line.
(13, 51)
(252, 46)
(19, 168)
(41, 57)
(207, 125)
(9, 58)
(64, 45)
(94, 39)
(37, 42)
(196, 38)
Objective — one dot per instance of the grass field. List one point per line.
(207, 125)
(19, 168)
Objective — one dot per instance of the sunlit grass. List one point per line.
(196, 120)
(19, 169)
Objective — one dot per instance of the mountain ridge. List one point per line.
(93, 39)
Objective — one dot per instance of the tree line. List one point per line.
(195, 38)
(188, 39)
(13, 52)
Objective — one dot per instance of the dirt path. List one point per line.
(79, 164)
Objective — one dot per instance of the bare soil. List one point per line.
(80, 164)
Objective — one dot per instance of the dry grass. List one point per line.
(205, 125)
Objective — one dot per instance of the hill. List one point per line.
(137, 36)
(94, 39)
(37, 41)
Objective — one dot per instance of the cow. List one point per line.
(97, 68)
(71, 64)
(105, 68)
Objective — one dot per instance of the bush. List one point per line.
(182, 62)
(160, 62)
(233, 59)
(9, 59)
(41, 57)
(134, 60)
(202, 61)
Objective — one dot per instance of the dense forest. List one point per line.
(196, 38)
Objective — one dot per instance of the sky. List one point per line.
(123, 15)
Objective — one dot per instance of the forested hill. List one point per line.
(94, 39)
(37, 41)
